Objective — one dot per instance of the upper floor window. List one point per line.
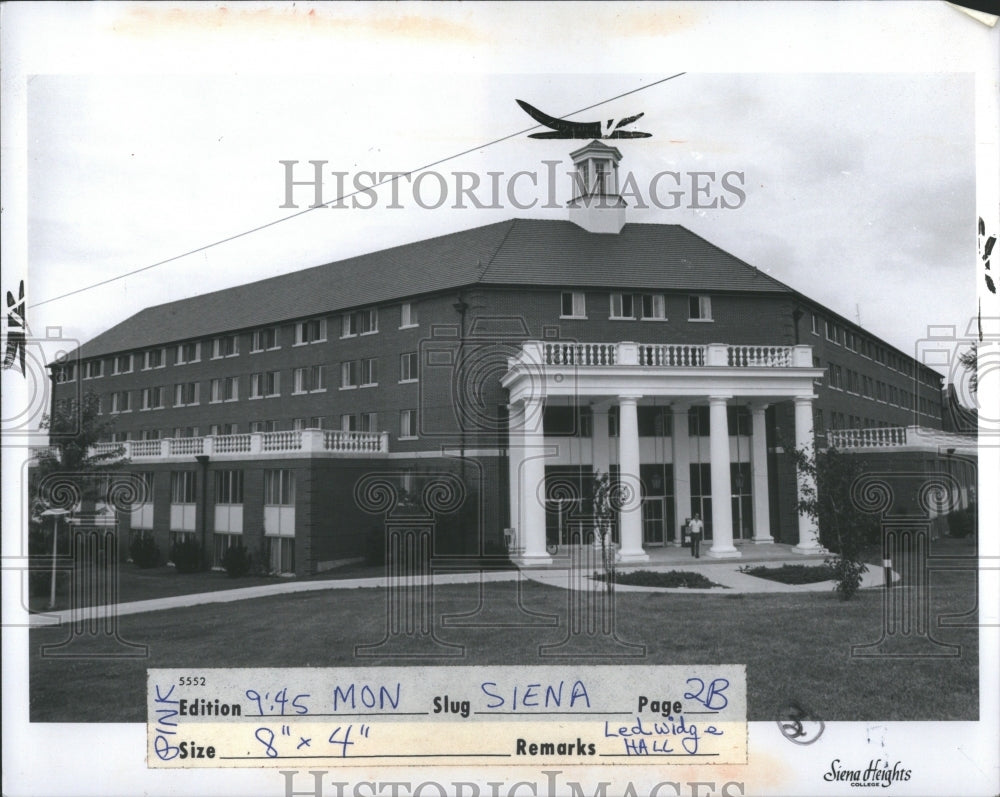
(573, 304)
(279, 488)
(122, 364)
(264, 426)
(408, 315)
(93, 369)
(359, 422)
(65, 373)
(188, 353)
(226, 389)
(652, 306)
(225, 346)
(149, 434)
(622, 305)
(831, 332)
(850, 340)
(121, 401)
(815, 323)
(301, 424)
(186, 394)
(313, 331)
(154, 358)
(310, 379)
(359, 373)
(408, 367)
(360, 322)
(229, 487)
(699, 308)
(152, 398)
(182, 487)
(224, 428)
(407, 424)
(264, 339)
(265, 384)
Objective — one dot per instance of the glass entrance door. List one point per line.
(652, 520)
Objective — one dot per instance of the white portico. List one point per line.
(625, 375)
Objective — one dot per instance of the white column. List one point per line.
(758, 467)
(682, 468)
(515, 450)
(722, 490)
(808, 532)
(600, 438)
(630, 515)
(532, 487)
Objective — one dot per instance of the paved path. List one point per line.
(721, 571)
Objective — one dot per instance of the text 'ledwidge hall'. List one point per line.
(501, 365)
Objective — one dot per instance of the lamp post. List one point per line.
(55, 514)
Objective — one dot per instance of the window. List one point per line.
(182, 487)
(301, 424)
(279, 488)
(359, 422)
(348, 423)
(573, 304)
(653, 307)
(407, 424)
(65, 373)
(186, 394)
(264, 426)
(852, 381)
(699, 422)
(224, 429)
(880, 355)
(122, 364)
(850, 340)
(152, 398)
(225, 346)
(360, 322)
(93, 369)
(349, 374)
(188, 353)
(154, 358)
(280, 554)
(831, 331)
(738, 420)
(263, 339)
(265, 384)
(408, 315)
(149, 434)
(185, 431)
(359, 373)
(369, 372)
(835, 376)
(408, 367)
(225, 389)
(815, 323)
(120, 437)
(699, 308)
(880, 391)
(622, 306)
(313, 331)
(229, 487)
(310, 379)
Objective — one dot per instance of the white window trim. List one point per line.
(663, 304)
(611, 307)
(583, 301)
(411, 325)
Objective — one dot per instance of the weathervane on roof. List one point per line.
(612, 128)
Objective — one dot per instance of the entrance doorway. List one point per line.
(653, 517)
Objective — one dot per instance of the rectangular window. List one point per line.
(360, 322)
(408, 367)
(573, 304)
(185, 431)
(152, 398)
(229, 487)
(224, 429)
(348, 423)
(120, 437)
(408, 315)
(851, 341)
(309, 379)
(264, 339)
(739, 421)
(301, 424)
(121, 401)
(154, 358)
(264, 426)
(65, 373)
(93, 369)
(225, 389)
(279, 488)
(313, 331)
(122, 364)
(654, 307)
(186, 394)
(622, 306)
(149, 434)
(350, 374)
(265, 384)
(369, 372)
(815, 323)
(699, 308)
(188, 353)
(182, 487)
(225, 346)
(831, 332)
(368, 422)
(407, 424)
(835, 376)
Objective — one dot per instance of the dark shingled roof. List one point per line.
(531, 252)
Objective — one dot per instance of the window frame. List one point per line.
(704, 307)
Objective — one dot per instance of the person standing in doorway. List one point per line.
(696, 528)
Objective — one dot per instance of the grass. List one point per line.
(669, 578)
(796, 647)
(791, 574)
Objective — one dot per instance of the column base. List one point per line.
(632, 556)
(807, 550)
(537, 560)
(762, 540)
(723, 553)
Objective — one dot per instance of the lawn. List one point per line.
(796, 646)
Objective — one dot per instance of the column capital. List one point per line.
(805, 399)
(629, 398)
(680, 407)
(759, 406)
(600, 407)
(717, 399)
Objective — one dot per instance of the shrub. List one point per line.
(792, 574)
(187, 556)
(144, 551)
(847, 573)
(654, 578)
(236, 560)
(962, 522)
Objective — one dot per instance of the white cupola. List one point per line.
(596, 205)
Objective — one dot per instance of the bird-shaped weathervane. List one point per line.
(612, 128)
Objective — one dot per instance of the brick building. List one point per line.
(518, 357)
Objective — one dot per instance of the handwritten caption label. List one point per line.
(464, 715)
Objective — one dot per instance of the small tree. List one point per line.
(604, 513)
(844, 528)
(968, 361)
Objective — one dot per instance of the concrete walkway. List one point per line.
(721, 571)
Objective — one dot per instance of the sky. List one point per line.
(859, 188)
